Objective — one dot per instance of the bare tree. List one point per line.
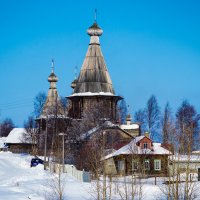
(130, 187)
(168, 127)
(152, 116)
(182, 169)
(180, 183)
(56, 183)
(122, 111)
(6, 126)
(39, 102)
(32, 133)
(187, 126)
(139, 117)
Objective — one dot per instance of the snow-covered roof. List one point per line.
(18, 135)
(158, 149)
(132, 148)
(185, 158)
(196, 152)
(129, 127)
(137, 139)
(106, 124)
(2, 141)
(51, 116)
(92, 94)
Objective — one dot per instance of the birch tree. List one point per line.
(152, 111)
(167, 123)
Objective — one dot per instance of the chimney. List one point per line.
(146, 134)
(128, 119)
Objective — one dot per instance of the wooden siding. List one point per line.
(140, 159)
(94, 76)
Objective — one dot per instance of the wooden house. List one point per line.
(140, 156)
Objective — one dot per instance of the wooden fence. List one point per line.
(82, 176)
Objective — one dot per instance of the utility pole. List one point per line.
(104, 174)
(63, 152)
(63, 149)
(45, 145)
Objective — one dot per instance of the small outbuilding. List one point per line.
(184, 163)
(19, 141)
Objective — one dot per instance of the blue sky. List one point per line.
(150, 47)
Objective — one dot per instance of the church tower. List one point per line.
(93, 88)
(52, 109)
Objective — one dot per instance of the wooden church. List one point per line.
(93, 88)
(92, 91)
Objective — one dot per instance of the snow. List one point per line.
(18, 135)
(185, 158)
(92, 94)
(106, 124)
(2, 141)
(158, 149)
(196, 152)
(133, 148)
(20, 182)
(52, 116)
(129, 127)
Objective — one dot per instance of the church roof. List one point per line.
(94, 76)
(53, 104)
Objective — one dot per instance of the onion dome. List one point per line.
(73, 84)
(128, 117)
(94, 30)
(52, 77)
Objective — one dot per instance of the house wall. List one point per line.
(183, 166)
(110, 167)
(145, 140)
(127, 159)
(20, 148)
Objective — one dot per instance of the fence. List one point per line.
(71, 170)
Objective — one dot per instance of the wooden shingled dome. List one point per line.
(94, 76)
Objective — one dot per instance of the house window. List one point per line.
(157, 165)
(120, 165)
(145, 145)
(146, 164)
(134, 165)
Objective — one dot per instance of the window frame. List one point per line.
(135, 165)
(121, 165)
(157, 164)
(147, 161)
(145, 145)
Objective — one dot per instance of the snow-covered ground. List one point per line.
(20, 182)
